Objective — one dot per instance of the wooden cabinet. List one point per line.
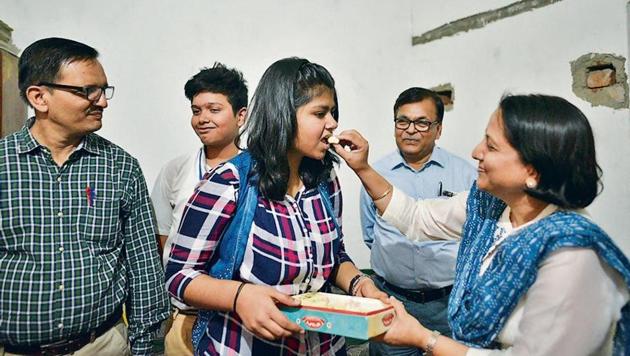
(12, 108)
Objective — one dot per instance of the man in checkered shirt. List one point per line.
(77, 239)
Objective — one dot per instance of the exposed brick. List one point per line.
(600, 78)
(447, 94)
(446, 99)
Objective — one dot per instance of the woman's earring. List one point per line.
(530, 183)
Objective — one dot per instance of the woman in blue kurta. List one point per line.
(534, 275)
(291, 225)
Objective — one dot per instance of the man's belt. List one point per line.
(185, 311)
(64, 347)
(419, 295)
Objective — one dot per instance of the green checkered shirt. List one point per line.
(67, 264)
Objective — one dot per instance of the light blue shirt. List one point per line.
(401, 262)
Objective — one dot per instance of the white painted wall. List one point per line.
(150, 48)
(532, 53)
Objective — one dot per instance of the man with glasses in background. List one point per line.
(419, 274)
(77, 239)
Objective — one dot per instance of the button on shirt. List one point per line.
(423, 264)
(70, 254)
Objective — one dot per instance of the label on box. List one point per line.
(356, 317)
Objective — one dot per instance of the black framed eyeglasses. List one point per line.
(419, 125)
(91, 93)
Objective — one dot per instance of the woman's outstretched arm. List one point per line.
(353, 148)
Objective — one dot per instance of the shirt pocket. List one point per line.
(99, 224)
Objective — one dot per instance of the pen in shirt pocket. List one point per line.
(89, 195)
(444, 192)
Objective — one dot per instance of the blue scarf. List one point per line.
(479, 306)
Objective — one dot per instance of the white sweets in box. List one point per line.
(356, 317)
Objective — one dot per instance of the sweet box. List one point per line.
(355, 317)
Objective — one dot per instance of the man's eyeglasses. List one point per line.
(91, 93)
(419, 125)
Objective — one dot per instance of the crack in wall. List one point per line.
(479, 20)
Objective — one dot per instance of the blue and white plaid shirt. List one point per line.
(70, 255)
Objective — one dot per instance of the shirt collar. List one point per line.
(28, 143)
(437, 157)
(92, 144)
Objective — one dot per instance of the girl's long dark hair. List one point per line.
(272, 124)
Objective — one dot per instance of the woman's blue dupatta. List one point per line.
(479, 306)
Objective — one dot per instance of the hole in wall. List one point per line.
(447, 97)
(600, 76)
(600, 79)
(447, 94)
